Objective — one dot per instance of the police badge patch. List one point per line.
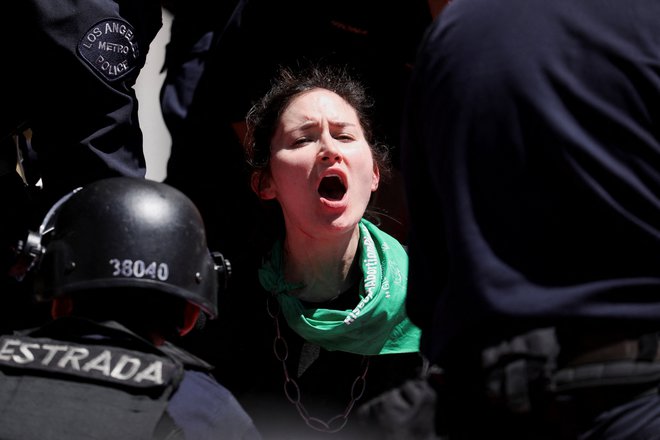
(110, 47)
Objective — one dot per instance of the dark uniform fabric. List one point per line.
(534, 127)
(75, 379)
(73, 67)
(69, 71)
(195, 26)
(206, 160)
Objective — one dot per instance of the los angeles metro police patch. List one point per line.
(110, 47)
(92, 362)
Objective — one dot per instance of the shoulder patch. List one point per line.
(110, 48)
(92, 362)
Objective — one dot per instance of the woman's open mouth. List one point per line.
(332, 188)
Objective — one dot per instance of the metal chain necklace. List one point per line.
(292, 390)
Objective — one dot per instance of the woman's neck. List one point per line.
(325, 267)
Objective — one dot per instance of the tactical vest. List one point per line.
(84, 388)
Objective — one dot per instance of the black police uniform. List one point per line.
(534, 128)
(76, 379)
(69, 69)
(71, 82)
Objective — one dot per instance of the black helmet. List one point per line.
(128, 232)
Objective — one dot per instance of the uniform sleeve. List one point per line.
(74, 67)
(205, 409)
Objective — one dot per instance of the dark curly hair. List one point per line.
(263, 117)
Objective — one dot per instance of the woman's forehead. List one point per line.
(317, 104)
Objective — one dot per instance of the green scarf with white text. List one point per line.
(377, 324)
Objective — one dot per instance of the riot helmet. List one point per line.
(128, 232)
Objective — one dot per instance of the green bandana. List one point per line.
(377, 324)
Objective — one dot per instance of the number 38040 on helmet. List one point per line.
(128, 232)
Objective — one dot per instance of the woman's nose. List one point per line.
(330, 151)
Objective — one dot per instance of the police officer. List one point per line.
(125, 264)
(71, 71)
(70, 110)
(536, 136)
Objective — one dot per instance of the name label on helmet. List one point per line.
(139, 269)
(92, 362)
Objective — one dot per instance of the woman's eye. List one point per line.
(301, 141)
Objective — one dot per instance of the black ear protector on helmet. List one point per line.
(125, 232)
(223, 266)
(30, 251)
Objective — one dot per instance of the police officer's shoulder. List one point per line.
(87, 357)
(189, 360)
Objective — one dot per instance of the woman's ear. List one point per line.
(261, 184)
(61, 307)
(190, 316)
(375, 179)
